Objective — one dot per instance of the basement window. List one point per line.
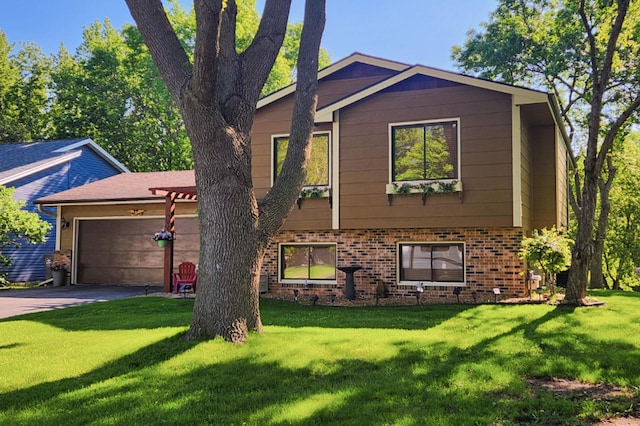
(431, 263)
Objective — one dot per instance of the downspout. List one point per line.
(47, 212)
(56, 216)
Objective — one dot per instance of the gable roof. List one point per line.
(334, 68)
(522, 96)
(19, 160)
(403, 72)
(122, 187)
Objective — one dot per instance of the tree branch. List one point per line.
(287, 186)
(209, 16)
(591, 40)
(258, 59)
(164, 46)
(607, 143)
(574, 196)
(616, 29)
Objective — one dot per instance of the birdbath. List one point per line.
(350, 289)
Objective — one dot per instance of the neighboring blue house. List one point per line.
(38, 169)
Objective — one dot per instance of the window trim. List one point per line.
(413, 123)
(329, 157)
(282, 280)
(426, 283)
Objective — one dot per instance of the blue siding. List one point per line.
(28, 261)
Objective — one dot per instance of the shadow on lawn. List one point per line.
(150, 313)
(438, 383)
(288, 314)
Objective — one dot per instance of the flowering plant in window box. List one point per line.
(315, 192)
(424, 187)
(162, 237)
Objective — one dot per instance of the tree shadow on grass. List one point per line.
(412, 317)
(145, 357)
(423, 382)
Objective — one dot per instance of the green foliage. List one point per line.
(548, 249)
(544, 44)
(24, 79)
(125, 362)
(622, 246)
(110, 91)
(18, 225)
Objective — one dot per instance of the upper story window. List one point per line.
(318, 170)
(425, 150)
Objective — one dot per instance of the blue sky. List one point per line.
(411, 31)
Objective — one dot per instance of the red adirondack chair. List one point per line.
(186, 275)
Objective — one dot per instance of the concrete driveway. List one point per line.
(18, 302)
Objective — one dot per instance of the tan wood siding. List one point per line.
(562, 185)
(313, 213)
(485, 119)
(544, 204)
(525, 159)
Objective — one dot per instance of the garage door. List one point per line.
(121, 251)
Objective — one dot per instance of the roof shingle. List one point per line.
(122, 187)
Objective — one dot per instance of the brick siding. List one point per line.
(490, 261)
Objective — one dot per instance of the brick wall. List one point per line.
(491, 261)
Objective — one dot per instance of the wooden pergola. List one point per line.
(172, 194)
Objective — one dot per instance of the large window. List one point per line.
(425, 151)
(318, 169)
(308, 262)
(432, 262)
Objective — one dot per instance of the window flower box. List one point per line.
(310, 192)
(425, 188)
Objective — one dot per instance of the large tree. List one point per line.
(111, 91)
(217, 89)
(24, 75)
(586, 53)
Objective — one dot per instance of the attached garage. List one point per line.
(121, 251)
(107, 227)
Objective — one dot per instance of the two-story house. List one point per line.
(424, 178)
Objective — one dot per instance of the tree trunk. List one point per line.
(217, 97)
(597, 272)
(582, 250)
(596, 278)
(231, 249)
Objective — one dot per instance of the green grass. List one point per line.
(125, 362)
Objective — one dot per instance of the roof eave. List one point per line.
(99, 150)
(40, 167)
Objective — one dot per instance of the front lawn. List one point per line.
(124, 362)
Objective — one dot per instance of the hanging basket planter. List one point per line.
(163, 237)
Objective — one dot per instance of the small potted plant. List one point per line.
(58, 273)
(162, 237)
